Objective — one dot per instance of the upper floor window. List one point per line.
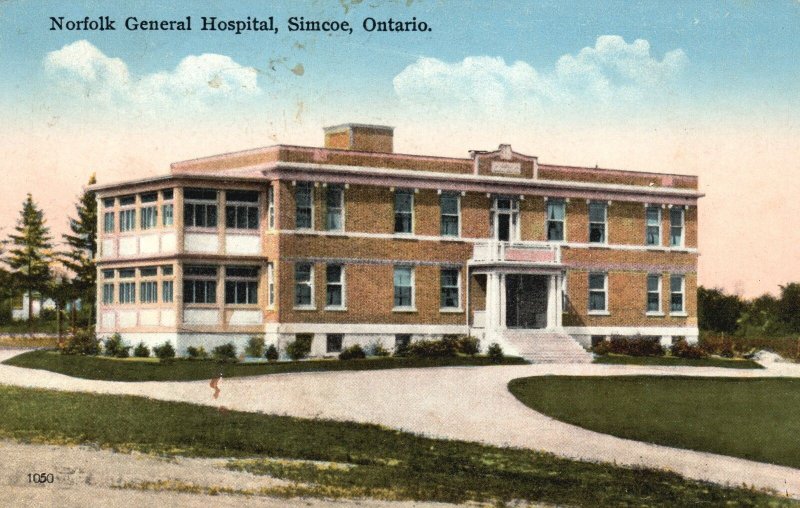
(167, 209)
(403, 211)
(200, 208)
(676, 293)
(403, 287)
(556, 212)
(241, 209)
(450, 211)
(304, 205)
(598, 214)
(241, 284)
(108, 202)
(127, 287)
(271, 207)
(504, 219)
(653, 293)
(270, 284)
(127, 215)
(108, 293)
(303, 285)
(653, 218)
(148, 211)
(167, 286)
(598, 292)
(108, 222)
(199, 284)
(334, 286)
(676, 217)
(450, 289)
(334, 208)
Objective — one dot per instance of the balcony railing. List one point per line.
(496, 251)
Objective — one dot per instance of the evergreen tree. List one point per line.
(83, 247)
(30, 254)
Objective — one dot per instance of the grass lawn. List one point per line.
(672, 361)
(149, 369)
(756, 419)
(367, 460)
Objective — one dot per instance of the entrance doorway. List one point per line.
(526, 301)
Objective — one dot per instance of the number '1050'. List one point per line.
(40, 478)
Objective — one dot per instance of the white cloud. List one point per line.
(197, 79)
(611, 71)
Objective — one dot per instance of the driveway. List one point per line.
(464, 403)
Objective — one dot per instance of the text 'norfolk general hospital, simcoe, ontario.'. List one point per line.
(251, 24)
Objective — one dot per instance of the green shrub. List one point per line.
(353, 352)
(83, 342)
(113, 346)
(376, 349)
(165, 352)
(225, 353)
(683, 349)
(447, 347)
(468, 345)
(300, 347)
(495, 352)
(631, 346)
(255, 347)
(141, 351)
(602, 348)
(272, 353)
(196, 353)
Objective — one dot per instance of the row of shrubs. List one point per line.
(641, 346)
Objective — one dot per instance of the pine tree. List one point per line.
(83, 247)
(31, 253)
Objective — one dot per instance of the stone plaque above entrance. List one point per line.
(506, 168)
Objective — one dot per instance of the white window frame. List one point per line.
(604, 223)
(108, 293)
(339, 208)
(512, 211)
(458, 306)
(681, 291)
(548, 220)
(167, 291)
(204, 203)
(148, 217)
(682, 227)
(127, 219)
(310, 283)
(341, 284)
(240, 207)
(108, 225)
(647, 226)
(409, 192)
(298, 187)
(248, 280)
(405, 308)
(659, 291)
(457, 215)
(270, 285)
(205, 279)
(168, 214)
(604, 290)
(271, 207)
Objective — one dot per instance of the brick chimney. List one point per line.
(361, 137)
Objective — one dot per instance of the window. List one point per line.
(403, 211)
(241, 209)
(676, 226)
(450, 207)
(148, 291)
(334, 208)
(167, 209)
(167, 290)
(127, 219)
(271, 207)
(653, 218)
(333, 342)
(127, 201)
(653, 293)
(199, 284)
(200, 208)
(401, 342)
(127, 288)
(304, 205)
(270, 285)
(504, 219)
(555, 220)
(598, 213)
(108, 293)
(303, 285)
(334, 290)
(449, 290)
(676, 290)
(147, 217)
(108, 222)
(403, 287)
(241, 284)
(598, 289)
(108, 203)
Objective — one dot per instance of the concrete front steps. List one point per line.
(545, 346)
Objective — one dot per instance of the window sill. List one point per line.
(242, 231)
(599, 313)
(654, 314)
(678, 314)
(199, 229)
(304, 307)
(451, 310)
(404, 309)
(336, 309)
(304, 230)
(407, 236)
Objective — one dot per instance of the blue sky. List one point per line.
(707, 88)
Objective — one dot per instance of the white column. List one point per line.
(551, 302)
(489, 312)
(501, 289)
(559, 281)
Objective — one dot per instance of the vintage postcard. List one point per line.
(399, 253)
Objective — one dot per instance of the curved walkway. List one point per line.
(465, 403)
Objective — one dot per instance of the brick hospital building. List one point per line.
(353, 243)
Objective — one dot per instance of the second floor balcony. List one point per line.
(523, 253)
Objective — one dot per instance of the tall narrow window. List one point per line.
(199, 284)
(127, 286)
(270, 284)
(403, 211)
(653, 218)
(450, 211)
(676, 216)
(127, 213)
(241, 209)
(304, 205)
(598, 213)
(200, 208)
(403, 287)
(148, 212)
(167, 290)
(334, 208)
(271, 207)
(108, 293)
(334, 290)
(167, 208)
(653, 293)
(241, 284)
(504, 219)
(108, 222)
(676, 296)
(598, 292)
(449, 289)
(555, 220)
(148, 286)
(304, 285)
